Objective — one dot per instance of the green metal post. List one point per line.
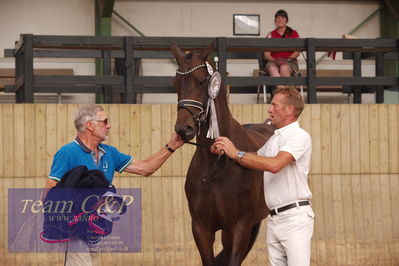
(103, 16)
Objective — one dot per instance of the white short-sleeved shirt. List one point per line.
(291, 183)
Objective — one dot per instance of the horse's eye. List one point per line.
(203, 81)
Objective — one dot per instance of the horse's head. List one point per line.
(191, 81)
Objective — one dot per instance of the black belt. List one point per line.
(289, 206)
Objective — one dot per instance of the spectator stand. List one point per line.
(130, 49)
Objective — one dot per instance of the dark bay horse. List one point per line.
(221, 194)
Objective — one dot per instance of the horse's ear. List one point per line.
(207, 51)
(178, 54)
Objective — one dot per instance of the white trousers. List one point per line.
(88, 255)
(289, 236)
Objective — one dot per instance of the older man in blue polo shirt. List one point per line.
(93, 126)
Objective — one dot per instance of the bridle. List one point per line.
(200, 117)
(191, 70)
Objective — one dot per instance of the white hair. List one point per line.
(86, 113)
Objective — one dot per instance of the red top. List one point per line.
(275, 34)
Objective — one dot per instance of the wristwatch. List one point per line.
(240, 155)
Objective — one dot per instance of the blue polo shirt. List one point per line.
(77, 153)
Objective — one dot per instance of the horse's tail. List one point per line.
(254, 235)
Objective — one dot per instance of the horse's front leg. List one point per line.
(222, 259)
(204, 238)
(241, 239)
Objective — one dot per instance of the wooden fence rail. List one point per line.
(354, 179)
(131, 49)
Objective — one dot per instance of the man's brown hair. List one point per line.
(292, 97)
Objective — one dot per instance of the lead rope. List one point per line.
(196, 144)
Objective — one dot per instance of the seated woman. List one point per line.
(281, 64)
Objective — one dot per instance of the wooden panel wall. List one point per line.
(354, 178)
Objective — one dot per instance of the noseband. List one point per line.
(200, 117)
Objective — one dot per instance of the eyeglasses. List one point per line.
(105, 121)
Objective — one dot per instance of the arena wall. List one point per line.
(354, 179)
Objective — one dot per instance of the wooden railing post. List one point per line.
(222, 58)
(311, 70)
(379, 72)
(24, 71)
(357, 72)
(129, 96)
(107, 89)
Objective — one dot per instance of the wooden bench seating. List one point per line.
(7, 75)
(330, 73)
(324, 73)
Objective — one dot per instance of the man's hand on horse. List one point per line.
(175, 141)
(223, 145)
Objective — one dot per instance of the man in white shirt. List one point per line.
(285, 160)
